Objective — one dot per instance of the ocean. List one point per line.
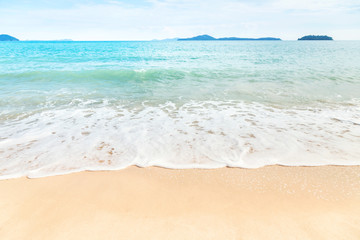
(74, 106)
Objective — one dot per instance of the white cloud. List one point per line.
(114, 20)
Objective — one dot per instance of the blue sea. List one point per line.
(74, 106)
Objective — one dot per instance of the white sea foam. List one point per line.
(197, 134)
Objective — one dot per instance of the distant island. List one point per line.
(5, 37)
(315, 37)
(63, 40)
(210, 38)
(56, 40)
(165, 40)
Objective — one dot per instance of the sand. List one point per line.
(155, 203)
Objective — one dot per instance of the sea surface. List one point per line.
(73, 106)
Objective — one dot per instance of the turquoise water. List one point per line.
(71, 106)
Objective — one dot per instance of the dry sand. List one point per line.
(155, 203)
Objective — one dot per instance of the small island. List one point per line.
(210, 38)
(5, 37)
(315, 37)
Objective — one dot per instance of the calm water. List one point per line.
(71, 106)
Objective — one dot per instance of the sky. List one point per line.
(160, 19)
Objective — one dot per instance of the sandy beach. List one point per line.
(155, 203)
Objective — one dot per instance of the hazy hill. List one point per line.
(210, 38)
(5, 37)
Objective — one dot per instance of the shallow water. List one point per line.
(71, 106)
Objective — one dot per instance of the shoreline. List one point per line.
(79, 171)
(283, 202)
